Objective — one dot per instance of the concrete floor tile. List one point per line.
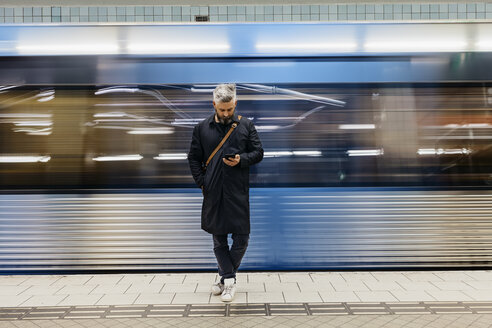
(251, 287)
(203, 287)
(14, 301)
(452, 285)
(412, 296)
(173, 278)
(268, 297)
(111, 289)
(78, 300)
(149, 298)
(383, 285)
(373, 296)
(295, 277)
(104, 279)
(290, 321)
(314, 287)
(117, 299)
(390, 276)
(137, 279)
(422, 276)
(72, 280)
(241, 278)
(44, 300)
(355, 285)
(12, 280)
(192, 298)
(477, 275)
(304, 297)
(479, 295)
(179, 288)
(480, 284)
(40, 280)
(76, 290)
(281, 287)
(263, 277)
(449, 295)
(451, 275)
(144, 288)
(263, 287)
(417, 285)
(358, 276)
(12, 290)
(200, 278)
(346, 296)
(41, 290)
(319, 277)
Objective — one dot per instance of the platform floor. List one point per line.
(270, 299)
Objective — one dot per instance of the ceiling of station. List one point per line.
(6, 3)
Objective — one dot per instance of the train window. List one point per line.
(313, 135)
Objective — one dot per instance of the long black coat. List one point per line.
(225, 206)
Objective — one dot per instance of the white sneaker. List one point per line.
(229, 290)
(217, 288)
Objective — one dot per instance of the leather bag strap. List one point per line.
(234, 125)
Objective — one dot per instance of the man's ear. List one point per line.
(213, 102)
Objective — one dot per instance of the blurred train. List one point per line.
(377, 139)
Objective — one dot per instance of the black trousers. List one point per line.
(228, 260)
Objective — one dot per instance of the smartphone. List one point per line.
(230, 156)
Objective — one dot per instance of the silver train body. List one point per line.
(377, 144)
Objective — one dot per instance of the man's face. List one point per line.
(225, 111)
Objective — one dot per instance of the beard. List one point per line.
(223, 120)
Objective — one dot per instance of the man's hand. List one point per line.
(234, 161)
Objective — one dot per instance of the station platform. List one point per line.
(263, 299)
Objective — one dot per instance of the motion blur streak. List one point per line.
(316, 228)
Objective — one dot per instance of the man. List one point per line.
(225, 182)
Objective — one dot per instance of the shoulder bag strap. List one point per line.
(234, 125)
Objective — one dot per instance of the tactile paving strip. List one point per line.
(230, 310)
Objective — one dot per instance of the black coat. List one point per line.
(225, 206)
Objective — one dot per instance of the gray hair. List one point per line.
(225, 92)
